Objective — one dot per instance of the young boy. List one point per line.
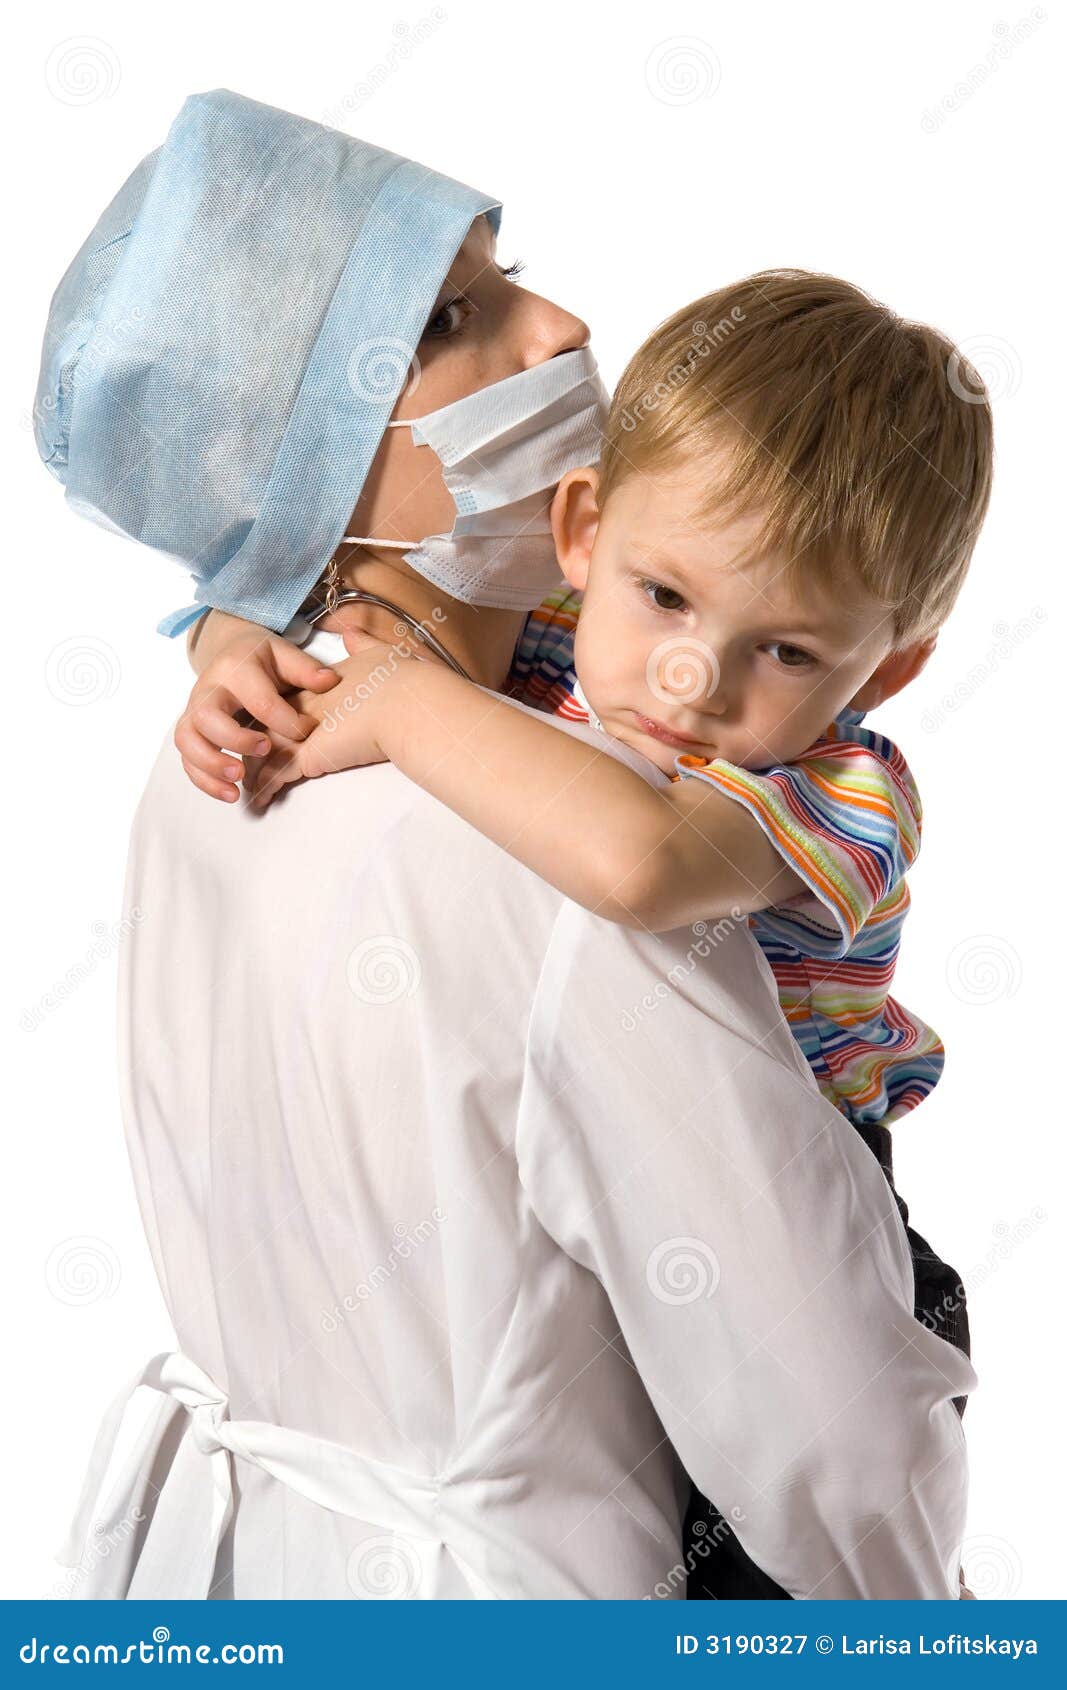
(789, 493)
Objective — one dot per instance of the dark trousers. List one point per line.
(720, 1571)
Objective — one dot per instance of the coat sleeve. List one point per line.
(672, 1140)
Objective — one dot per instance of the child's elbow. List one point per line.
(639, 892)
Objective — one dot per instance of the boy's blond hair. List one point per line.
(865, 441)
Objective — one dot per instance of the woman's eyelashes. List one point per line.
(443, 326)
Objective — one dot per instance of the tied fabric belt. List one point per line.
(332, 1475)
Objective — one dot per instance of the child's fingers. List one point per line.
(272, 775)
(299, 669)
(209, 727)
(220, 751)
(357, 639)
(281, 751)
(213, 787)
(251, 688)
(316, 759)
(199, 753)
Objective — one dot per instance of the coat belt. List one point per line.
(332, 1475)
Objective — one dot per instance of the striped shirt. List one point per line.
(846, 816)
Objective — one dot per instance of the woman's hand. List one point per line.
(244, 683)
(344, 725)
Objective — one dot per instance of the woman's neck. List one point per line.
(481, 639)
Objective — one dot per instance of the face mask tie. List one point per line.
(503, 451)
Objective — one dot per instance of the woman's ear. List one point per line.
(893, 673)
(575, 519)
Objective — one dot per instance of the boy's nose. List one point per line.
(717, 701)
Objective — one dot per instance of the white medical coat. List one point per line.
(479, 1221)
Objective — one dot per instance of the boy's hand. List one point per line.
(245, 682)
(343, 733)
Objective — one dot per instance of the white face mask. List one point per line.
(502, 452)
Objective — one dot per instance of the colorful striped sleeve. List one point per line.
(846, 816)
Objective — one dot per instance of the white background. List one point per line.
(643, 156)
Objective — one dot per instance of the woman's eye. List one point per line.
(449, 319)
(664, 598)
(792, 656)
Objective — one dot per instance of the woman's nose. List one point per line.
(546, 330)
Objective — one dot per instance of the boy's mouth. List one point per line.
(667, 736)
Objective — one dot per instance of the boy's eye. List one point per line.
(663, 597)
(792, 656)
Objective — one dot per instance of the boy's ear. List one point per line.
(575, 519)
(893, 673)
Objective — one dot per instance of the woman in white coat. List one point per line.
(222, 360)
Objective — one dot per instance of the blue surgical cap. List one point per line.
(225, 350)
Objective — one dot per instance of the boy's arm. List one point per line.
(243, 673)
(656, 858)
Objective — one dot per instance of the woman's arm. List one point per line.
(656, 858)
